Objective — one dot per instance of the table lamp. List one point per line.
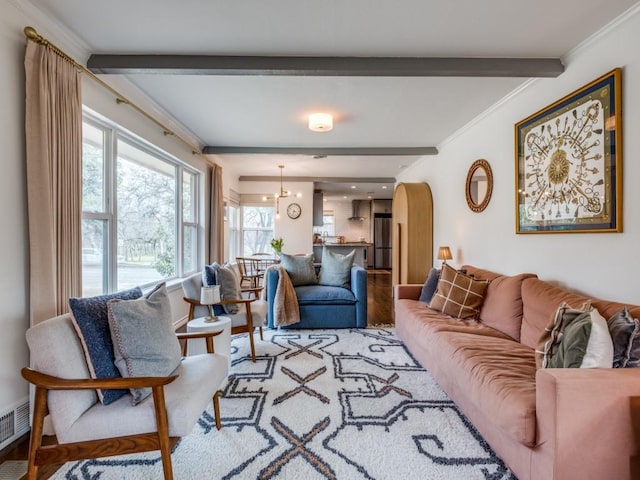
(444, 254)
(209, 296)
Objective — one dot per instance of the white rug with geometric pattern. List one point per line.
(321, 404)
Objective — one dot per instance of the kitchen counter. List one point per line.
(360, 257)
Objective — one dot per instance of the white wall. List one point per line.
(14, 238)
(352, 231)
(297, 234)
(601, 265)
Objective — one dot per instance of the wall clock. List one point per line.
(294, 210)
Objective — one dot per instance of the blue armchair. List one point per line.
(323, 306)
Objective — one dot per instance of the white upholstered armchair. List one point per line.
(85, 428)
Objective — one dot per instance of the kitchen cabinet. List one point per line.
(359, 258)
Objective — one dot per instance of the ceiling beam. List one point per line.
(348, 180)
(325, 66)
(324, 151)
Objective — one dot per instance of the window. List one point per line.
(328, 224)
(233, 219)
(257, 228)
(140, 216)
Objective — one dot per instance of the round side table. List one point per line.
(221, 343)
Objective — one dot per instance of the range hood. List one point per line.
(355, 211)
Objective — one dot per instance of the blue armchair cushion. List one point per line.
(144, 338)
(91, 321)
(322, 294)
(336, 268)
(299, 268)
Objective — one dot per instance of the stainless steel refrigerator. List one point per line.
(382, 240)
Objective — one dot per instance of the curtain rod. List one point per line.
(33, 35)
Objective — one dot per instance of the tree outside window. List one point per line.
(134, 199)
(257, 229)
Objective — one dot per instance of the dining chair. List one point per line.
(247, 267)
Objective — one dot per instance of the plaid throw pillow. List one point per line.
(458, 295)
(552, 336)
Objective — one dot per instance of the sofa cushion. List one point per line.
(430, 286)
(540, 300)
(91, 321)
(550, 339)
(458, 295)
(336, 268)
(324, 294)
(199, 376)
(498, 375)
(585, 343)
(625, 334)
(145, 343)
(502, 307)
(299, 268)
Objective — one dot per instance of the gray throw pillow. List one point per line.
(430, 286)
(625, 333)
(336, 268)
(228, 289)
(144, 341)
(300, 269)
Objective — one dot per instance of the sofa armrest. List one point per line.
(410, 291)
(584, 421)
(359, 289)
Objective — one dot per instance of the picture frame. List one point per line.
(569, 162)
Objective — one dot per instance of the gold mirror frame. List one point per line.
(480, 204)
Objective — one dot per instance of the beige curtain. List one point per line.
(53, 127)
(216, 217)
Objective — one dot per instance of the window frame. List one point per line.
(112, 134)
(272, 229)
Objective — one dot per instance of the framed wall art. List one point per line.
(569, 162)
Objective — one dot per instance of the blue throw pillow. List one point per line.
(430, 286)
(91, 322)
(210, 277)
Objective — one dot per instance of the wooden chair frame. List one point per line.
(247, 267)
(63, 452)
(248, 328)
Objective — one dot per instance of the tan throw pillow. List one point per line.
(552, 335)
(458, 295)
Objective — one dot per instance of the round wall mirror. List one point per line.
(479, 185)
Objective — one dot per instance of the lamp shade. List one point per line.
(320, 122)
(444, 253)
(210, 295)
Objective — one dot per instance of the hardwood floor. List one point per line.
(380, 301)
(379, 312)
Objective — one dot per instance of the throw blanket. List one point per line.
(285, 302)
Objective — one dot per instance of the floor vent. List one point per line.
(13, 469)
(14, 422)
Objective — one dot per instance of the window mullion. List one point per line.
(111, 209)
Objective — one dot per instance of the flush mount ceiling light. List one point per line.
(320, 122)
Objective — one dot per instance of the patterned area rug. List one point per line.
(321, 404)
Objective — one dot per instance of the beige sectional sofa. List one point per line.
(545, 424)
